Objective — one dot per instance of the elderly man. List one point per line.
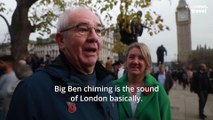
(57, 92)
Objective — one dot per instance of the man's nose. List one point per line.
(92, 36)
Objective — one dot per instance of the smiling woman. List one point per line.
(145, 86)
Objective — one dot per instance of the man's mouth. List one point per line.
(90, 51)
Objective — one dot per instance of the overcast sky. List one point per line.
(201, 26)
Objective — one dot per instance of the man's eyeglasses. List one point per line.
(84, 29)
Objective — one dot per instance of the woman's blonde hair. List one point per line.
(145, 53)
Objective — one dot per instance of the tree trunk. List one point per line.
(20, 29)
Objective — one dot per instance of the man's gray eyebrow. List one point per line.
(87, 23)
(83, 23)
(100, 24)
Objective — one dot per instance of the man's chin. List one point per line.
(90, 62)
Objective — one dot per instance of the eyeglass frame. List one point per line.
(89, 27)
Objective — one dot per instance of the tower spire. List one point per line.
(182, 3)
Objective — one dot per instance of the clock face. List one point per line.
(183, 16)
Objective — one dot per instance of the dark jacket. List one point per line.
(35, 98)
(200, 82)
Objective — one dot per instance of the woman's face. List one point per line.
(135, 62)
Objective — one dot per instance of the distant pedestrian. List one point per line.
(210, 74)
(108, 64)
(47, 60)
(8, 83)
(189, 74)
(182, 77)
(118, 69)
(23, 70)
(174, 76)
(164, 78)
(35, 62)
(200, 86)
(1, 72)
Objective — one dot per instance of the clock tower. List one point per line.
(183, 21)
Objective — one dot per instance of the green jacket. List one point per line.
(153, 106)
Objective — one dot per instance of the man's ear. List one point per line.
(59, 39)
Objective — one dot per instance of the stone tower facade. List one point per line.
(183, 21)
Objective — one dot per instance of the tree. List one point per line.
(39, 15)
(119, 48)
(23, 24)
(132, 23)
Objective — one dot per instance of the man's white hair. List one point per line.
(63, 20)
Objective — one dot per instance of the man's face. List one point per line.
(82, 49)
(161, 69)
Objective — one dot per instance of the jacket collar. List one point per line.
(126, 105)
(149, 81)
(61, 69)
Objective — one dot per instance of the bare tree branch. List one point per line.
(7, 23)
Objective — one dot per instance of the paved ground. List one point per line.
(184, 105)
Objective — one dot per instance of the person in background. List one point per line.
(45, 94)
(155, 105)
(164, 78)
(210, 73)
(200, 85)
(23, 70)
(1, 72)
(35, 62)
(108, 64)
(189, 74)
(118, 69)
(47, 60)
(8, 83)
(174, 75)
